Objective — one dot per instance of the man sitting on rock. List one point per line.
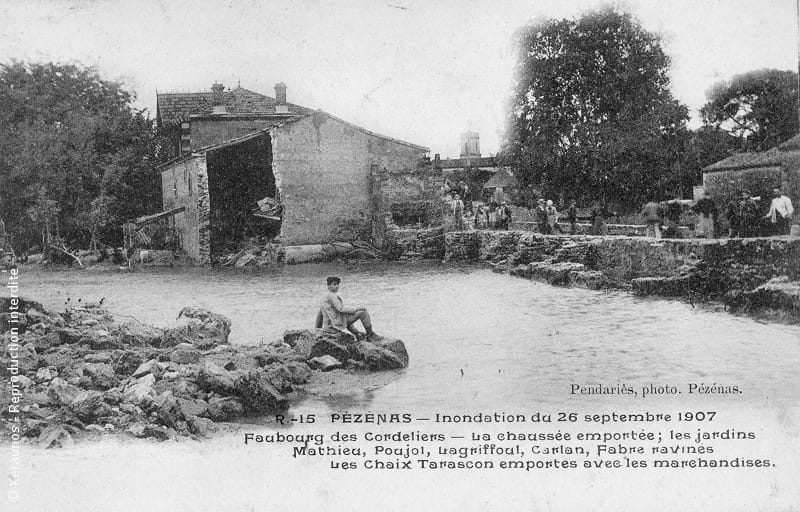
(333, 315)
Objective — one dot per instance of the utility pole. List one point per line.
(797, 16)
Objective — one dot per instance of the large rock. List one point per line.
(778, 295)
(324, 363)
(200, 327)
(101, 374)
(215, 378)
(55, 436)
(258, 394)
(383, 354)
(202, 427)
(137, 334)
(88, 406)
(25, 359)
(139, 390)
(321, 342)
(60, 392)
(168, 412)
(224, 409)
(192, 407)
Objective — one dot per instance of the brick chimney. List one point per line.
(280, 99)
(217, 99)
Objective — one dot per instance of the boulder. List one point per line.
(554, 273)
(44, 341)
(168, 412)
(200, 327)
(258, 394)
(183, 355)
(69, 335)
(43, 375)
(202, 427)
(137, 334)
(299, 373)
(383, 354)
(340, 345)
(224, 408)
(55, 436)
(60, 392)
(88, 406)
(139, 390)
(591, 279)
(96, 357)
(26, 359)
(192, 407)
(101, 374)
(215, 378)
(150, 367)
(324, 363)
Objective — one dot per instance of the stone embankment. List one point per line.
(81, 373)
(758, 276)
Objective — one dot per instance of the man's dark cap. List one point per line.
(333, 279)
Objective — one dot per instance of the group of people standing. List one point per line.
(747, 219)
(747, 216)
(547, 216)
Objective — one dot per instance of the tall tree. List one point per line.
(759, 108)
(68, 137)
(592, 116)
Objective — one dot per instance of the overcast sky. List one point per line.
(418, 70)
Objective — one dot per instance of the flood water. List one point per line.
(478, 342)
(515, 340)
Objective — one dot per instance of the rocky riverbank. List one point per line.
(82, 373)
(756, 276)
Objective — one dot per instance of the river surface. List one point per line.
(478, 342)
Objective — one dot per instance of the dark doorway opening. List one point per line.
(239, 177)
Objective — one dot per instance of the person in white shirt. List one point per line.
(780, 212)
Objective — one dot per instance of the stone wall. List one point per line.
(322, 166)
(185, 183)
(415, 243)
(622, 259)
(413, 197)
(207, 131)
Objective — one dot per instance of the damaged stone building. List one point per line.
(254, 166)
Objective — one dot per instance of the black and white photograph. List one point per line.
(406, 255)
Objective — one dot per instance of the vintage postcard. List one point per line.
(352, 255)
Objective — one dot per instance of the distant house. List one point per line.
(757, 173)
(500, 187)
(199, 119)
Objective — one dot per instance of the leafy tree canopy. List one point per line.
(759, 108)
(592, 117)
(67, 137)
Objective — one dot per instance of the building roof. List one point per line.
(355, 126)
(792, 144)
(175, 108)
(782, 154)
(261, 132)
(501, 179)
